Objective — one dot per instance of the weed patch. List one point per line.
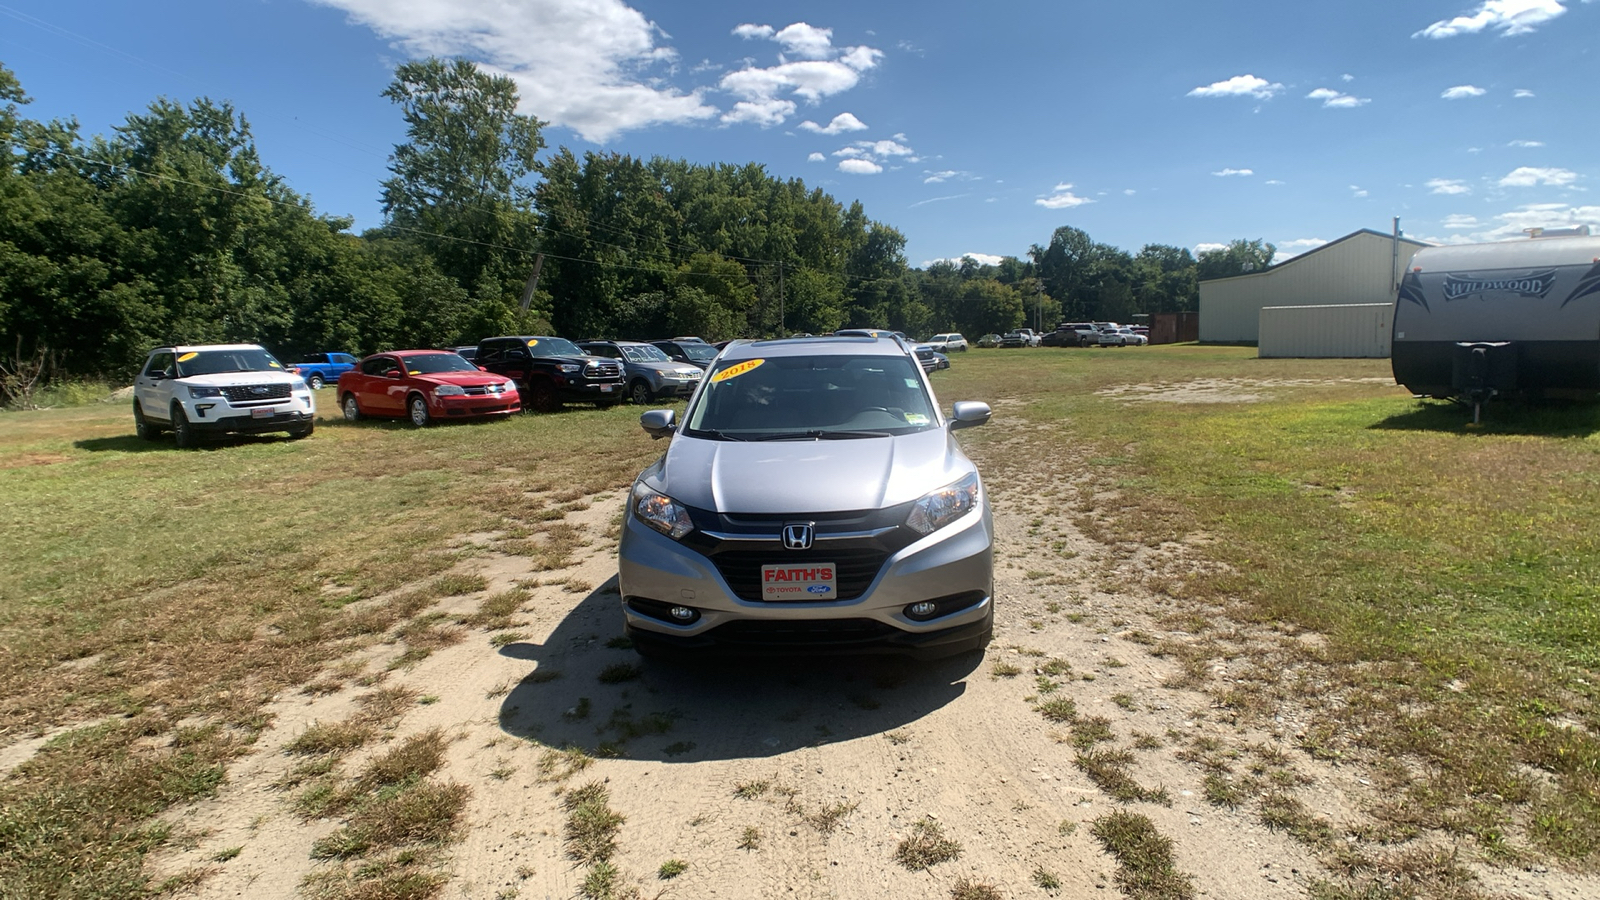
(926, 846)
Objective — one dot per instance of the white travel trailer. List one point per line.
(1512, 317)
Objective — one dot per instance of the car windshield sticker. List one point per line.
(274, 364)
(413, 372)
(735, 371)
(916, 419)
(533, 343)
(911, 382)
(188, 356)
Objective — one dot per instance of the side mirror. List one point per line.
(969, 414)
(396, 374)
(483, 368)
(658, 423)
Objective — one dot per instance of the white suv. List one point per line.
(219, 389)
(947, 343)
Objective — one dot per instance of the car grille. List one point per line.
(255, 393)
(856, 567)
(479, 390)
(603, 371)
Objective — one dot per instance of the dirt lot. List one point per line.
(806, 779)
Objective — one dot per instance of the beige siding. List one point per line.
(1355, 269)
(1346, 330)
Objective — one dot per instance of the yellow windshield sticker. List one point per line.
(274, 365)
(413, 372)
(916, 419)
(533, 343)
(188, 356)
(734, 371)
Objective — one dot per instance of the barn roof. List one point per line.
(1309, 253)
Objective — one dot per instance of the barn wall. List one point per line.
(1345, 330)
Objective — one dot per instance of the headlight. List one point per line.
(661, 512)
(568, 368)
(448, 390)
(197, 391)
(947, 504)
(509, 386)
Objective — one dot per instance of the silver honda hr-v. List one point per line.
(812, 499)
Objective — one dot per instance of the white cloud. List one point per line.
(1274, 181)
(841, 123)
(940, 177)
(1526, 144)
(1208, 248)
(1462, 91)
(1357, 191)
(1129, 192)
(937, 200)
(1457, 222)
(1529, 176)
(859, 167)
(821, 71)
(1544, 215)
(1509, 17)
(982, 259)
(816, 157)
(1239, 86)
(1227, 173)
(1290, 249)
(1448, 186)
(1333, 99)
(1347, 77)
(578, 63)
(760, 112)
(1522, 93)
(1062, 197)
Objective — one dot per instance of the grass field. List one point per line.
(152, 601)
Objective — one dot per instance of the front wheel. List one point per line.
(639, 392)
(542, 396)
(183, 433)
(296, 434)
(417, 410)
(352, 408)
(315, 382)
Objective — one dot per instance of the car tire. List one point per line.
(142, 426)
(315, 382)
(639, 392)
(417, 411)
(296, 434)
(183, 433)
(351, 407)
(542, 396)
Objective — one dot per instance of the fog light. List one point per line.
(922, 610)
(682, 613)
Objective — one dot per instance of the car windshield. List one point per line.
(436, 363)
(217, 362)
(699, 352)
(794, 398)
(643, 354)
(553, 346)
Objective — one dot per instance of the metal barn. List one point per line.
(1333, 331)
(1359, 268)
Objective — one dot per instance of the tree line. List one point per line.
(173, 229)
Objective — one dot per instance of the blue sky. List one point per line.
(973, 128)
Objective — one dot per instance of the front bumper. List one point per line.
(481, 405)
(953, 567)
(251, 424)
(579, 391)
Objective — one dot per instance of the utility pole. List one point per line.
(782, 329)
(533, 282)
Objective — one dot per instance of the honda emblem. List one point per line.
(797, 537)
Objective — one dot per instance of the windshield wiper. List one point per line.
(818, 434)
(718, 435)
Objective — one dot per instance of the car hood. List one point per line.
(229, 379)
(464, 379)
(807, 476)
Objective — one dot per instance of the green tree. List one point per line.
(1240, 257)
(459, 187)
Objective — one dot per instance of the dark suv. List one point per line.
(550, 371)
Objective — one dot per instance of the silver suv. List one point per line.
(812, 499)
(219, 389)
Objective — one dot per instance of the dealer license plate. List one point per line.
(808, 582)
(607, 388)
(261, 412)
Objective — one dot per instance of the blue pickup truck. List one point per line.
(319, 369)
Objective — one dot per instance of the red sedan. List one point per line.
(424, 385)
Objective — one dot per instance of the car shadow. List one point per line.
(130, 443)
(587, 689)
(1542, 418)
